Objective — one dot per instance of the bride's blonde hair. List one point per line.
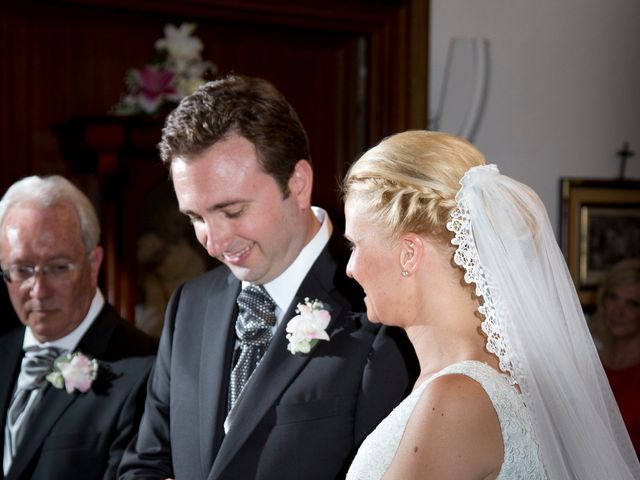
(408, 182)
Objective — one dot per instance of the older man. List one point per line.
(73, 377)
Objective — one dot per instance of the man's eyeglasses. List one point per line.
(26, 274)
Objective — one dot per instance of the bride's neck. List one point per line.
(437, 347)
(444, 322)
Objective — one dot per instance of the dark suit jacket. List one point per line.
(82, 435)
(8, 318)
(301, 417)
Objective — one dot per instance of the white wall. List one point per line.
(564, 85)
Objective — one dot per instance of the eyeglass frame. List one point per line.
(35, 270)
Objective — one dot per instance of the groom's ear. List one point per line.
(411, 251)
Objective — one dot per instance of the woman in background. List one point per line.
(616, 330)
(465, 260)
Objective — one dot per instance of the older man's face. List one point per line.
(51, 305)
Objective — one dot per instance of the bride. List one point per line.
(465, 261)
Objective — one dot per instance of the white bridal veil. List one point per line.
(535, 325)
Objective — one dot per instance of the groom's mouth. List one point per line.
(237, 258)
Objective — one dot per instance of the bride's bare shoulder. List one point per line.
(453, 432)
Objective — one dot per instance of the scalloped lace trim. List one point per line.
(466, 256)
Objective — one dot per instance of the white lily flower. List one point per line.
(179, 42)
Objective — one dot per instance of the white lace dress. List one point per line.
(521, 453)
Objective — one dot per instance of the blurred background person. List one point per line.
(616, 329)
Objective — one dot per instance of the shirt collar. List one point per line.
(70, 341)
(283, 288)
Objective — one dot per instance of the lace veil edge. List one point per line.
(535, 326)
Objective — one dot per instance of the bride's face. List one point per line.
(373, 263)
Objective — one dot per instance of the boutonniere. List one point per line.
(73, 371)
(308, 327)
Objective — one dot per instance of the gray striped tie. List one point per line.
(36, 365)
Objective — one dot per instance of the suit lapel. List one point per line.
(54, 402)
(215, 363)
(96, 341)
(265, 387)
(10, 359)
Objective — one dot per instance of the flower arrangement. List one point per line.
(73, 371)
(176, 71)
(308, 327)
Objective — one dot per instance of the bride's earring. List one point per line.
(410, 252)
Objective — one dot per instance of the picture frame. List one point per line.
(600, 225)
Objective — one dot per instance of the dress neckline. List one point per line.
(463, 363)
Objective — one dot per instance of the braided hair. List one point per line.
(408, 182)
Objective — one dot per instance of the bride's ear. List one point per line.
(411, 251)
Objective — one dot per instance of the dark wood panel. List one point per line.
(331, 15)
(58, 63)
(355, 71)
(66, 58)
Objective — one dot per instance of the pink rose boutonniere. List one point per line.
(73, 371)
(308, 327)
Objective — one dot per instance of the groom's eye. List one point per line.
(234, 213)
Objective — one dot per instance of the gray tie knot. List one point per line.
(36, 365)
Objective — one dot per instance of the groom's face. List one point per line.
(238, 211)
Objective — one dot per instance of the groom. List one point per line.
(240, 165)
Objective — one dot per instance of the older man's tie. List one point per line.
(37, 363)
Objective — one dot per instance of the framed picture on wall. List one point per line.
(600, 225)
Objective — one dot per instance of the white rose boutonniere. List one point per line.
(73, 371)
(308, 327)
